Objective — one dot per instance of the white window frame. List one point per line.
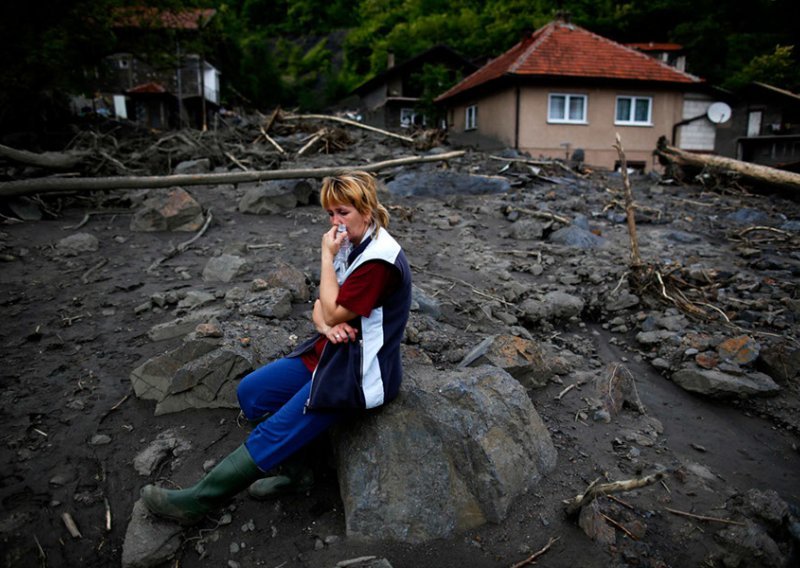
(631, 120)
(471, 118)
(567, 98)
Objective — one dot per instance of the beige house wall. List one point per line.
(496, 114)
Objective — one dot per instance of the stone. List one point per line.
(174, 211)
(527, 229)
(764, 506)
(577, 237)
(554, 306)
(195, 299)
(717, 384)
(273, 303)
(275, 197)
(287, 276)
(200, 373)
(741, 350)
(707, 359)
(748, 216)
(100, 440)
(225, 267)
(166, 443)
(653, 337)
(149, 541)
(76, 244)
(446, 183)
(781, 362)
(201, 166)
(621, 301)
(452, 452)
(422, 302)
(183, 325)
(749, 545)
(530, 362)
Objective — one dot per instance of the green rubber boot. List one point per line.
(189, 506)
(295, 478)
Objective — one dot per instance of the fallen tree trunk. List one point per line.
(48, 160)
(754, 172)
(59, 185)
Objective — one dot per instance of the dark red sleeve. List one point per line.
(365, 288)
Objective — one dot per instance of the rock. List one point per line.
(749, 546)
(741, 350)
(781, 362)
(531, 363)
(166, 443)
(574, 236)
(621, 301)
(274, 197)
(287, 276)
(183, 325)
(717, 384)
(273, 303)
(446, 183)
(748, 216)
(765, 506)
(76, 244)
(225, 267)
(148, 540)
(527, 229)
(100, 440)
(198, 374)
(422, 302)
(554, 306)
(174, 211)
(653, 337)
(364, 562)
(452, 452)
(195, 299)
(24, 208)
(201, 166)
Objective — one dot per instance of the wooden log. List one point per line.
(753, 172)
(64, 184)
(48, 160)
(349, 122)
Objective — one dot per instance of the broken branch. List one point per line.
(532, 558)
(596, 489)
(703, 517)
(349, 122)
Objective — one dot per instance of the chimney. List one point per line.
(390, 60)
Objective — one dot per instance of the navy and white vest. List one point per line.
(367, 372)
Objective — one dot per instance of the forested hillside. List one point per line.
(311, 53)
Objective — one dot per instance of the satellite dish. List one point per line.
(718, 112)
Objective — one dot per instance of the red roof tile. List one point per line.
(560, 49)
(653, 46)
(147, 88)
(148, 17)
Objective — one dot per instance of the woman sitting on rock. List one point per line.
(352, 363)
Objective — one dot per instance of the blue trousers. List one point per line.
(280, 389)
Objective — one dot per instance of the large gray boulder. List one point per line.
(718, 384)
(530, 362)
(273, 197)
(225, 267)
(200, 373)
(451, 453)
(76, 244)
(174, 211)
(148, 540)
(554, 306)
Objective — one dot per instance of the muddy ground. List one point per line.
(71, 334)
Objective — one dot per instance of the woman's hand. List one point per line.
(341, 333)
(332, 241)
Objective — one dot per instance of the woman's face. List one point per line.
(347, 215)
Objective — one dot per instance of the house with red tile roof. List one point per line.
(563, 88)
(174, 89)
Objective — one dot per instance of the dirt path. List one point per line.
(72, 333)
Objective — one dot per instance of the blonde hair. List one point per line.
(358, 189)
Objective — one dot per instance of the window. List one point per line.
(471, 122)
(410, 117)
(634, 110)
(566, 108)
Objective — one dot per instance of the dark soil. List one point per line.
(68, 346)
